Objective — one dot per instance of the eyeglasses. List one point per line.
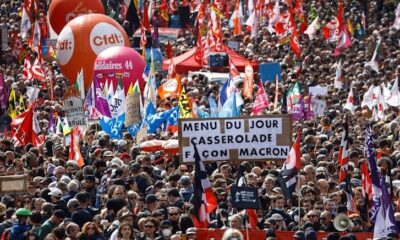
(173, 214)
(148, 226)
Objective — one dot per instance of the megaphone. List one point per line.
(342, 222)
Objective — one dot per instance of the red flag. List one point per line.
(253, 220)
(294, 43)
(261, 102)
(205, 201)
(74, 148)
(169, 50)
(27, 71)
(37, 70)
(344, 154)
(28, 128)
(145, 18)
(366, 181)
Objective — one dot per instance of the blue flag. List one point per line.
(213, 107)
(155, 120)
(113, 126)
(230, 108)
(134, 129)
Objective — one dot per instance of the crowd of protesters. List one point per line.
(125, 193)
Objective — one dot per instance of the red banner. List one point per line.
(216, 234)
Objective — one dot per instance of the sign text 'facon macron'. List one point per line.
(245, 138)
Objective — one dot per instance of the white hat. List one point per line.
(55, 192)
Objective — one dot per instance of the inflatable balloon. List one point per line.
(82, 39)
(120, 62)
(63, 11)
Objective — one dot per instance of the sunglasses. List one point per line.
(312, 216)
(173, 214)
(90, 228)
(148, 226)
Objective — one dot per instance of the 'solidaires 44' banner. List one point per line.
(249, 138)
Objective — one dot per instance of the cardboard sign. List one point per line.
(228, 139)
(13, 184)
(132, 109)
(141, 136)
(245, 197)
(75, 112)
(269, 71)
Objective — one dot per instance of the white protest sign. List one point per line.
(73, 107)
(318, 106)
(318, 90)
(249, 138)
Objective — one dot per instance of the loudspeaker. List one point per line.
(342, 222)
(218, 60)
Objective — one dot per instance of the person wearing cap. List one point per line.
(165, 232)
(89, 186)
(56, 195)
(191, 233)
(186, 189)
(20, 228)
(278, 206)
(56, 219)
(151, 202)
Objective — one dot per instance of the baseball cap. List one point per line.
(151, 198)
(191, 230)
(55, 192)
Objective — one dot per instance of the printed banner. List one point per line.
(245, 197)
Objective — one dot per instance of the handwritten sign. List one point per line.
(74, 110)
(223, 139)
(132, 109)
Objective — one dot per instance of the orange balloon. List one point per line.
(63, 11)
(82, 39)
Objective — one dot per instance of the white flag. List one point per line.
(396, 23)
(338, 78)
(312, 28)
(394, 98)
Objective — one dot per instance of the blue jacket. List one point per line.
(18, 230)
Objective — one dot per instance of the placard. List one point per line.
(73, 107)
(245, 197)
(228, 139)
(132, 109)
(318, 106)
(269, 71)
(318, 90)
(141, 136)
(13, 184)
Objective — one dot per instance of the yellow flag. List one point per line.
(185, 107)
(11, 102)
(130, 90)
(350, 27)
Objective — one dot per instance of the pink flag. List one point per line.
(261, 101)
(343, 43)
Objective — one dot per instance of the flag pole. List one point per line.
(299, 200)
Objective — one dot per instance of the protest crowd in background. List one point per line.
(339, 76)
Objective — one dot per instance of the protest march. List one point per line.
(176, 119)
